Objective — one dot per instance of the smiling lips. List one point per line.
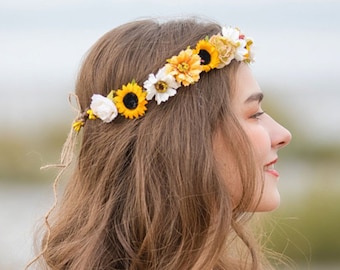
(269, 168)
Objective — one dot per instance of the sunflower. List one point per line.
(185, 67)
(208, 53)
(131, 100)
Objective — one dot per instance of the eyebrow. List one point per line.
(255, 97)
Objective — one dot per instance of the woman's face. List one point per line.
(265, 134)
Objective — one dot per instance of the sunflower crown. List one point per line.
(181, 70)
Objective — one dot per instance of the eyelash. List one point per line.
(257, 115)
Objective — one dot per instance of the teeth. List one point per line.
(270, 167)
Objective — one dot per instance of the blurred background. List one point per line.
(42, 44)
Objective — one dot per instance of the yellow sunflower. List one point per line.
(185, 67)
(209, 55)
(131, 100)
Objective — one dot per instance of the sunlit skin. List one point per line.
(265, 134)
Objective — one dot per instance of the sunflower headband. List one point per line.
(181, 70)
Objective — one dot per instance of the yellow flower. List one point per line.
(77, 125)
(225, 48)
(91, 115)
(131, 100)
(248, 56)
(185, 67)
(208, 54)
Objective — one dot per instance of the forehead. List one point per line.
(246, 86)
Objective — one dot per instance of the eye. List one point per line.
(257, 115)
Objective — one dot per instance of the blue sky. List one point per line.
(42, 43)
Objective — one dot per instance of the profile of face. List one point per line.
(265, 135)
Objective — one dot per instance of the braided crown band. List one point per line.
(181, 70)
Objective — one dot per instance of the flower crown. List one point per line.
(181, 70)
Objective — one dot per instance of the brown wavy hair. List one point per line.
(146, 193)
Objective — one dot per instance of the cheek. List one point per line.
(260, 140)
(227, 168)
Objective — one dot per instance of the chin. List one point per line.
(270, 201)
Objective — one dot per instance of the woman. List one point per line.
(176, 153)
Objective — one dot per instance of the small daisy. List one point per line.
(249, 57)
(241, 51)
(162, 86)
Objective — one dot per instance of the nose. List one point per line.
(280, 136)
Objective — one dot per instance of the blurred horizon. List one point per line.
(43, 43)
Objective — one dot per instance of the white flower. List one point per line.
(241, 51)
(103, 108)
(233, 35)
(250, 56)
(162, 86)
